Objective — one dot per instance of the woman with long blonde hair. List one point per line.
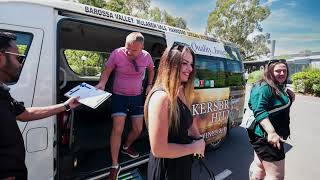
(173, 136)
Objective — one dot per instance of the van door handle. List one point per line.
(64, 79)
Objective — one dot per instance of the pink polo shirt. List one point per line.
(127, 81)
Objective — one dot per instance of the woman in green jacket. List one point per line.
(271, 130)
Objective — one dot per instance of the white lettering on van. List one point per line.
(207, 107)
(124, 18)
(213, 133)
(98, 12)
(146, 23)
(205, 49)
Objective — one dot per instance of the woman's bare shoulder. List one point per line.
(159, 97)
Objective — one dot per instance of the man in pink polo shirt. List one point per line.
(129, 64)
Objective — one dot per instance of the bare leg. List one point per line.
(274, 170)
(115, 139)
(256, 171)
(137, 125)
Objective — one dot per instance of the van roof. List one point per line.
(74, 6)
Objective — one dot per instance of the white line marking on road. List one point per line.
(223, 174)
(311, 102)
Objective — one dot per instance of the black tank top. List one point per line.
(177, 168)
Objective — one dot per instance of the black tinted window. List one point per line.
(210, 72)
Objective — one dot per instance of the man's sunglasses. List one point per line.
(20, 57)
(276, 61)
(135, 65)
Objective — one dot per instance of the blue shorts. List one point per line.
(122, 105)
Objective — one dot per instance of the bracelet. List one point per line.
(67, 107)
(196, 139)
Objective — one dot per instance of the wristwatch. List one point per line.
(67, 106)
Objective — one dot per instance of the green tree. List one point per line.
(162, 16)
(235, 20)
(96, 3)
(155, 14)
(138, 8)
(85, 62)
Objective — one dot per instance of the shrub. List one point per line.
(307, 81)
(255, 76)
(316, 89)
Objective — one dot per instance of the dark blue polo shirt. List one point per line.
(12, 150)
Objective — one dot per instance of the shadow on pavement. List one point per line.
(236, 155)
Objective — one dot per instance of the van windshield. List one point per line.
(232, 53)
(217, 72)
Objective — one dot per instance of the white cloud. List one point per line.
(300, 37)
(292, 33)
(284, 18)
(192, 13)
(287, 43)
(289, 48)
(269, 2)
(292, 4)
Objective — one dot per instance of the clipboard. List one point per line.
(88, 95)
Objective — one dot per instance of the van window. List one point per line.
(234, 66)
(95, 42)
(216, 72)
(234, 73)
(86, 63)
(210, 72)
(232, 53)
(23, 42)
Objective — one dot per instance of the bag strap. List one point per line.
(282, 107)
(202, 164)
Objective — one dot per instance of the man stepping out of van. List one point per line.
(12, 150)
(129, 64)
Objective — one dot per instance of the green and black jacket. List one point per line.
(263, 100)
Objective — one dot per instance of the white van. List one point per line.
(66, 43)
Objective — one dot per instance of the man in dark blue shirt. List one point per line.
(12, 150)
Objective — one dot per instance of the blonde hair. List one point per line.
(168, 79)
(134, 37)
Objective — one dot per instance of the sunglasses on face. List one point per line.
(276, 61)
(20, 57)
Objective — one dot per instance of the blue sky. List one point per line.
(294, 24)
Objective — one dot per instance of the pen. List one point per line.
(84, 85)
(74, 91)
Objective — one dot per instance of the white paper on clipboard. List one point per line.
(88, 95)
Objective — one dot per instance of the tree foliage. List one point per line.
(138, 8)
(96, 3)
(85, 62)
(235, 20)
(162, 16)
